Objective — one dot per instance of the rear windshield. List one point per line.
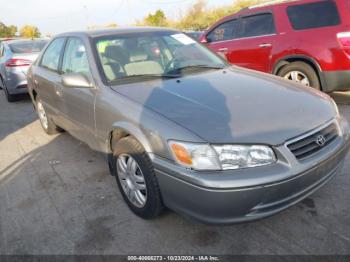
(313, 15)
(27, 46)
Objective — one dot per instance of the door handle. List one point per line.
(58, 90)
(223, 49)
(265, 45)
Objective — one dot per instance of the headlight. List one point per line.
(221, 157)
(242, 156)
(196, 156)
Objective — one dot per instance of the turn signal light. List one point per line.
(181, 154)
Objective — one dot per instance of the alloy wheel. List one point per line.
(298, 77)
(42, 115)
(132, 180)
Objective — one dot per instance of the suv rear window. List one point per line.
(313, 15)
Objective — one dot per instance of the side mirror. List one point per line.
(205, 40)
(76, 80)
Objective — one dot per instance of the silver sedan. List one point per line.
(183, 129)
(15, 58)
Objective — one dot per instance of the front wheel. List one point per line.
(136, 178)
(301, 73)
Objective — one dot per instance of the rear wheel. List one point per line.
(301, 73)
(49, 127)
(136, 178)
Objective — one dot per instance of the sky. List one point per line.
(57, 16)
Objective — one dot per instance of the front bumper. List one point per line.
(205, 202)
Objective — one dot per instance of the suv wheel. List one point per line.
(302, 73)
(49, 127)
(136, 178)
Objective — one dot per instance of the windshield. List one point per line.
(22, 47)
(156, 54)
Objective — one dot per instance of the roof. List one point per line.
(120, 30)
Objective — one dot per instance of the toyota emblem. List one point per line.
(320, 140)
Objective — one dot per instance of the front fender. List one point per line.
(131, 129)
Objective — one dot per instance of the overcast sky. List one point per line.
(55, 16)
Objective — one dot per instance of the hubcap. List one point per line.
(298, 76)
(132, 180)
(42, 115)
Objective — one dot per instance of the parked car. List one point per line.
(306, 41)
(3, 39)
(196, 35)
(183, 129)
(15, 58)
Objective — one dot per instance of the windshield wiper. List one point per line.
(179, 69)
(165, 76)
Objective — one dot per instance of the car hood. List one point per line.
(234, 105)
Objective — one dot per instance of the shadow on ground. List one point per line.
(16, 115)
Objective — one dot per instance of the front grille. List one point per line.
(308, 146)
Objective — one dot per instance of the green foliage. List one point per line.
(198, 16)
(29, 31)
(7, 31)
(156, 19)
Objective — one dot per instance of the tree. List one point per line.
(199, 17)
(7, 31)
(112, 25)
(29, 31)
(156, 19)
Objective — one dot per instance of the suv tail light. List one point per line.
(14, 62)
(344, 40)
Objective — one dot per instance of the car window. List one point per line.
(28, 46)
(131, 57)
(225, 31)
(256, 25)
(75, 59)
(1, 50)
(313, 15)
(51, 57)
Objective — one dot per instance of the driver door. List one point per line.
(78, 103)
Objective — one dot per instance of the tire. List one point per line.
(304, 70)
(9, 97)
(49, 127)
(153, 205)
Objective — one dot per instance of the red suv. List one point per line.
(307, 41)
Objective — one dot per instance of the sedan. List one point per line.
(15, 58)
(182, 129)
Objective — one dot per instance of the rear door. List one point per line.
(78, 103)
(221, 38)
(46, 78)
(254, 42)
